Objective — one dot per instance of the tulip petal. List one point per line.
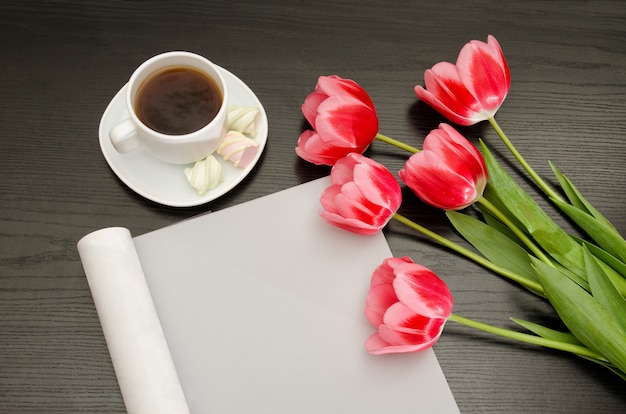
(343, 170)
(379, 299)
(404, 327)
(352, 225)
(313, 149)
(437, 184)
(347, 122)
(370, 193)
(347, 202)
(362, 197)
(334, 85)
(310, 105)
(377, 346)
(385, 272)
(352, 205)
(446, 92)
(493, 42)
(344, 120)
(472, 90)
(402, 318)
(449, 173)
(352, 197)
(327, 199)
(484, 73)
(422, 291)
(457, 153)
(377, 184)
(345, 213)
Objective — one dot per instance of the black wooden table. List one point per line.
(63, 61)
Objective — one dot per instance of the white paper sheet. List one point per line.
(261, 306)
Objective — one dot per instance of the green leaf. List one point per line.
(491, 195)
(554, 240)
(613, 267)
(548, 333)
(605, 257)
(584, 315)
(574, 277)
(493, 222)
(603, 234)
(615, 370)
(576, 198)
(617, 279)
(606, 365)
(492, 244)
(605, 291)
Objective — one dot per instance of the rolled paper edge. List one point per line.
(143, 364)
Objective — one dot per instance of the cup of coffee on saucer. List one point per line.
(177, 108)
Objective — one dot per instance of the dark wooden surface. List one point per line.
(62, 61)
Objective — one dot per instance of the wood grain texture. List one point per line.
(63, 61)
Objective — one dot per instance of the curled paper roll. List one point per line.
(143, 365)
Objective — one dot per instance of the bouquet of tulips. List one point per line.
(583, 279)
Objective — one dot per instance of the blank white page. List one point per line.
(262, 308)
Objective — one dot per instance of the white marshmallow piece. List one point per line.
(243, 119)
(205, 174)
(238, 149)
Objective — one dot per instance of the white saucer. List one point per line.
(166, 183)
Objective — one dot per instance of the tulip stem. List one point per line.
(531, 285)
(530, 339)
(529, 169)
(396, 143)
(520, 234)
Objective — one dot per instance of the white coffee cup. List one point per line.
(132, 133)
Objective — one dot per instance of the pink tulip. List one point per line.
(449, 173)
(363, 196)
(472, 90)
(408, 304)
(343, 118)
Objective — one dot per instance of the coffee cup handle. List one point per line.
(124, 137)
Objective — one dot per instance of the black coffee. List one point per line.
(177, 100)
